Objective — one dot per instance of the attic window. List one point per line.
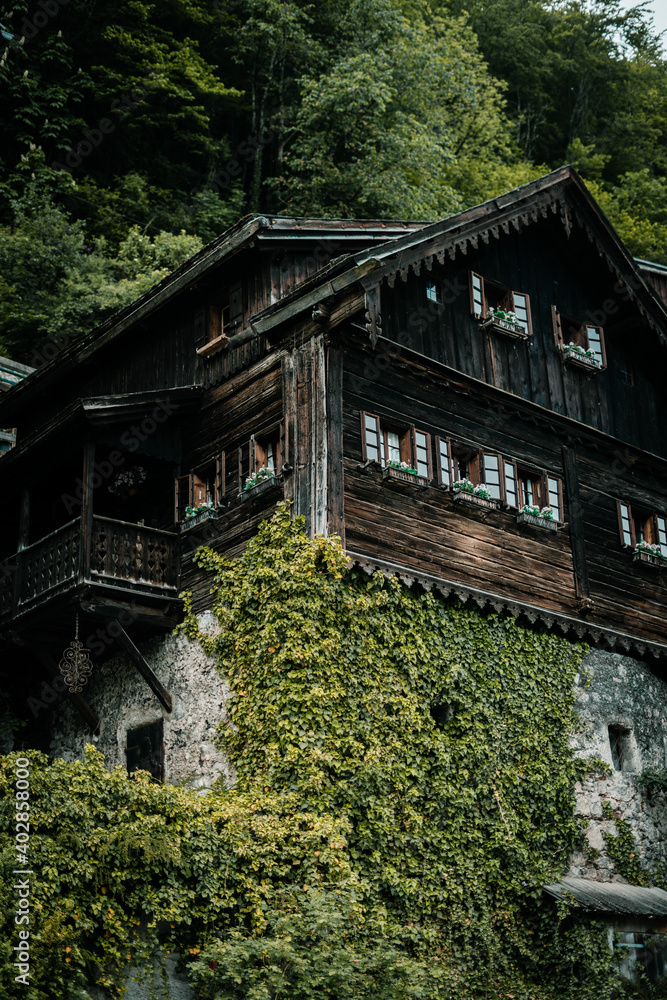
(487, 297)
(580, 342)
(225, 318)
(145, 750)
(433, 291)
(619, 744)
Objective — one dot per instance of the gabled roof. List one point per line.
(397, 248)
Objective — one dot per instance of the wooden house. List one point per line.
(477, 406)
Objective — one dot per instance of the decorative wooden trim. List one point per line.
(400, 475)
(648, 559)
(504, 327)
(523, 517)
(471, 499)
(581, 361)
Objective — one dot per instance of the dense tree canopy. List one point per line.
(177, 118)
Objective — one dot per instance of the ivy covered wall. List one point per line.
(405, 784)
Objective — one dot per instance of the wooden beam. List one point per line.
(81, 705)
(158, 689)
(86, 533)
(576, 519)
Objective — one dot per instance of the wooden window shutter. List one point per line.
(661, 524)
(252, 460)
(371, 448)
(521, 306)
(200, 327)
(235, 307)
(625, 524)
(476, 295)
(182, 496)
(219, 478)
(511, 484)
(421, 450)
(243, 464)
(492, 475)
(554, 497)
(558, 330)
(442, 450)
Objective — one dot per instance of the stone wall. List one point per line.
(624, 694)
(122, 700)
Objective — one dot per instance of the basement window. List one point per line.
(145, 750)
(619, 744)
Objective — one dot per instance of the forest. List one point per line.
(135, 133)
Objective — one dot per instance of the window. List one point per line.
(487, 296)
(465, 463)
(639, 525)
(491, 475)
(444, 470)
(432, 291)
(145, 750)
(225, 318)
(201, 487)
(384, 443)
(265, 451)
(583, 335)
(619, 744)
(529, 488)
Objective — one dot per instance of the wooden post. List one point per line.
(23, 541)
(576, 520)
(334, 412)
(86, 527)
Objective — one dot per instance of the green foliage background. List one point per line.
(404, 788)
(353, 108)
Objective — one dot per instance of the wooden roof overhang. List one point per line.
(99, 411)
(244, 235)
(568, 626)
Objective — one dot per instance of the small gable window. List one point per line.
(489, 300)
(433, 291)
(581, 343)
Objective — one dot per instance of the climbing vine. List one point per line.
(405, 787)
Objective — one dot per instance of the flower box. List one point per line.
(506, 327)
(199, 516)
(460, 496)
(649, 559)
(253, 490)
(581, 360)
(403, 476)
(549, 523)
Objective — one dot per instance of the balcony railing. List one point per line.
(130, 556)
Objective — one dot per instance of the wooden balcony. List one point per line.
(130, 560)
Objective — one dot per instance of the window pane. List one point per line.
(521, 310)
(393, 447)
(492, 475)
(595, 341)
(443, 452)
(510, 485)
(626, 530)
(662, 532)
(527, 491)
(477, 296)
(372, 433)
(432, 291)
(421, 456)
(270, 456)
(554, 497)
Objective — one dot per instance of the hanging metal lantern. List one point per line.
(76, 665)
